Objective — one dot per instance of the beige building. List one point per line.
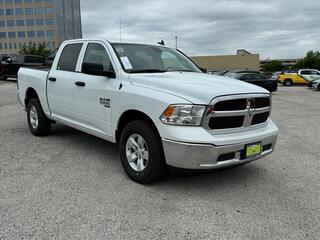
(242, 61)
(34, 21)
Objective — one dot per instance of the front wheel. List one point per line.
(39, 124)
(287, 82)
(141, 152)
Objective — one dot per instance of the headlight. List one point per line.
(190, 115)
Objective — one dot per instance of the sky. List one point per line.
(273, 28)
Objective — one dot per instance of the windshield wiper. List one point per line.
(149, 71)
(181, 70)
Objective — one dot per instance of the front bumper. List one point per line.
(209, 156)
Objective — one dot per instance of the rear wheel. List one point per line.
(39, 124)
(287, 82)
(141, 152)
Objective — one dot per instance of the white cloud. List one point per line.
(273, 28)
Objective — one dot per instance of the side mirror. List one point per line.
(97, 70)
(203, 70)
(9, 60)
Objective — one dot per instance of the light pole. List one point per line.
(176, 38)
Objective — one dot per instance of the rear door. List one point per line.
(61, 82)
(93, 97)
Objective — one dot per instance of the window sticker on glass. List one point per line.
(126, 63)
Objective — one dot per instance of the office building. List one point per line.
(34, 21)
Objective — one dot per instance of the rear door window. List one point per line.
(69, 57)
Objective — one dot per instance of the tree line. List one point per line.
(311, 61)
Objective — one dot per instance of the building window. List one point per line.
(3, 34)
(18, 1)
(30, 22)
(1, 12)
(10, 45)
(37, 1)
(50, 33)
(20, 23)
(28, 11)
(12, 34)
(0, 45)
(21, 34)
(39, 22)
(48, 10)
(27, 1)
(48, 0)
(31, 34)
(19, 11)
(9, 12)
(2, 24)
(49, 21)
(39, 11)
(8, 1)
(49, 45)
(10, 23)
(15, 45)
(40, 33)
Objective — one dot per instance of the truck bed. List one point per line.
(33, 78)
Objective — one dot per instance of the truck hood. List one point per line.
(198, 88)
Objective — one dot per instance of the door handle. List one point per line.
(80, 84)
(52, 79)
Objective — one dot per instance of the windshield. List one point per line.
(138, 58)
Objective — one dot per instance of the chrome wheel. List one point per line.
(33, 116)
(137, 152)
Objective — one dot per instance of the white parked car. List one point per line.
(152, 101)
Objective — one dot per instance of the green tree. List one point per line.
(272, 66)
(311, 60)
(40, 49)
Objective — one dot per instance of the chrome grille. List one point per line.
(233, 112)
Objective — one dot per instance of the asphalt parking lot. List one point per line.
(71, 185)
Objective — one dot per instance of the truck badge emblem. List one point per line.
(105, 102)
(250, 107)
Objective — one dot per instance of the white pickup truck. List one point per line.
(154, 102)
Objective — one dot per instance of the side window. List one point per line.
(247, 77)
(306, 72)
(33, 59)
(69, 57)
(97, 54)
(257, 77)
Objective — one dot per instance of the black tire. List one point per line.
(269, 87)
(156, 166)
(44, 124)
(287, 82)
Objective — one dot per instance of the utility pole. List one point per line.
(176, 38)
(120, 30)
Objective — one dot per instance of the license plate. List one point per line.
(253, 149)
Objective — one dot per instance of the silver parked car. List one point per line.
(316, 84)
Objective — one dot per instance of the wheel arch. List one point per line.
(129, 116)
(30, 93)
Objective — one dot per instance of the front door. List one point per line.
(93, 94)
